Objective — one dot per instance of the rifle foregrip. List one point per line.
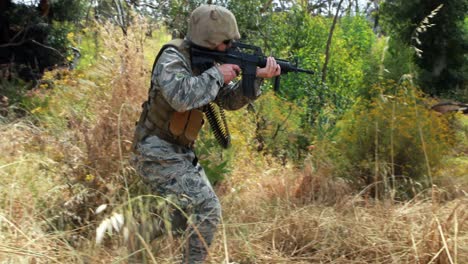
(276, 85)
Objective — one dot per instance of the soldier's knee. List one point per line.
(212, 210)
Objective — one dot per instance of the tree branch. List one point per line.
(330, 36)
(48, 47)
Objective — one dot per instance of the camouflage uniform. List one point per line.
(171, 169)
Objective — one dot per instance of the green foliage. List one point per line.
(38, 41)
(89, 48)
(22, 15)
(176, 15)
(301, 33)
(461, 93)
(215, 172)
(439, 35)
(304, 38)
(375, 69)
(212, 157)
(253, 19)
(278, 128)
(61, 37)
(69, 10)
(390, 59)
(392, 140)
(352, 42)
(398, 61)
(14, 89)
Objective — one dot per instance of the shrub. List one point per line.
(393, 142)
(278, 128)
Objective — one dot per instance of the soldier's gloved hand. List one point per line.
(271, 69)
(229, 71)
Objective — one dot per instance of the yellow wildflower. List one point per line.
(70, 36)
(89, 178)
(36, 110)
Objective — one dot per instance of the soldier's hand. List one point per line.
(229, 71)
(271, 69)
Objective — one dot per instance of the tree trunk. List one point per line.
(44, 8)
(4, 25)
(121, 16)
(330, 36)
(4, 5)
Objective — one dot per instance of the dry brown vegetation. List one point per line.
(339, 227)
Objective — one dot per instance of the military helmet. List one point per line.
(210, 25)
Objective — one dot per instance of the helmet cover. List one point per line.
(210, 25)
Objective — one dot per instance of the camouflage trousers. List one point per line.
(169, 171)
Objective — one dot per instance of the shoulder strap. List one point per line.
(179, 44)
(175, 43)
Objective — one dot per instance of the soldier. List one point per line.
(173, 115)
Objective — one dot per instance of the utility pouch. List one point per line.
(178, 122)
(194, 125)
(186, 124)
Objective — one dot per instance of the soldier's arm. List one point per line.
(232, 98)
(180, 88)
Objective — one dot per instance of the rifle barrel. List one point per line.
(287, 66)
(305, 71)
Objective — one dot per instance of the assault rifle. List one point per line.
(248, 57)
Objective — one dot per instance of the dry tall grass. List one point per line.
(31, 191)
(265, 223)
(59, 167)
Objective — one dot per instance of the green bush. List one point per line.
(61, 37)
(393, 143)
(212, 157)
(304, 38)
(278, 128)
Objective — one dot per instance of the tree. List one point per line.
(330, 36)
(442, 40)
(30, 39)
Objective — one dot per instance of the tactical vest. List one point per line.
(160, 119)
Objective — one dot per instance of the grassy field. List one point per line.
(70, 156)
(267, 218)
